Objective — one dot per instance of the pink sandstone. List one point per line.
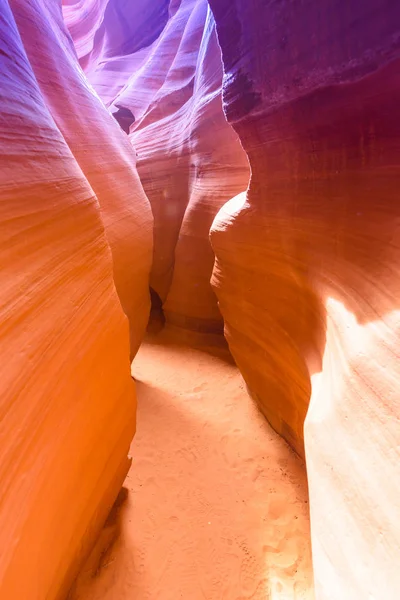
(307, 263)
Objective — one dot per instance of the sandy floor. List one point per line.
(215, 506)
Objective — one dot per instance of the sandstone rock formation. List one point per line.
(189, 159)
(113, 38)
(306, 254)
(307, 262)
(67, 398)
(102, 151)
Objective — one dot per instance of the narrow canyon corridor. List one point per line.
(215, 506)
(199, 300)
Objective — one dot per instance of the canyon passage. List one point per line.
(199, 300)
(234, 518)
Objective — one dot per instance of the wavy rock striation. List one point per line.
(103, 153)
(307, 269)
(189, 159)
(306, 260)
(67, 398)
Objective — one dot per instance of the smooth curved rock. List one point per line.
(218, 169)
(307, 268)
(101, 149)
(113, 38)
(67, 398)
(189, 159)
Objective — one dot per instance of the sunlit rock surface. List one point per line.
(67, 398)
(102, 151)
(306, 261)
(307, 270)
(113, 37)
(189, 159)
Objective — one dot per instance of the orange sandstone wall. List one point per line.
(101, 149)
(67, 398)
(307, 263)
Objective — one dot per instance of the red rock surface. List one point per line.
(306, 260)
(102, 151)
(189, 159)
(307, 263)
(67, 398)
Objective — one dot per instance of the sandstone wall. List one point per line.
(307, 263)
(102, 151)
(67, 398)
(189, 159)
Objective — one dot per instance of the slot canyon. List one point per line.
(199, 290)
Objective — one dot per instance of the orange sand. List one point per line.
(215, 506)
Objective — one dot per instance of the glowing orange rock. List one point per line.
(307, 263)
(101, 149)
(67, 398)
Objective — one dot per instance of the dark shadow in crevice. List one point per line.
(124, 117)
(157, 319)
(106, 549)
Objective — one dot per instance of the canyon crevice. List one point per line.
(235, 161)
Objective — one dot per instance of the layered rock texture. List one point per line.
(104, 155)
(75, 230)
(307, 262)
(306, 255)
(189, 159)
